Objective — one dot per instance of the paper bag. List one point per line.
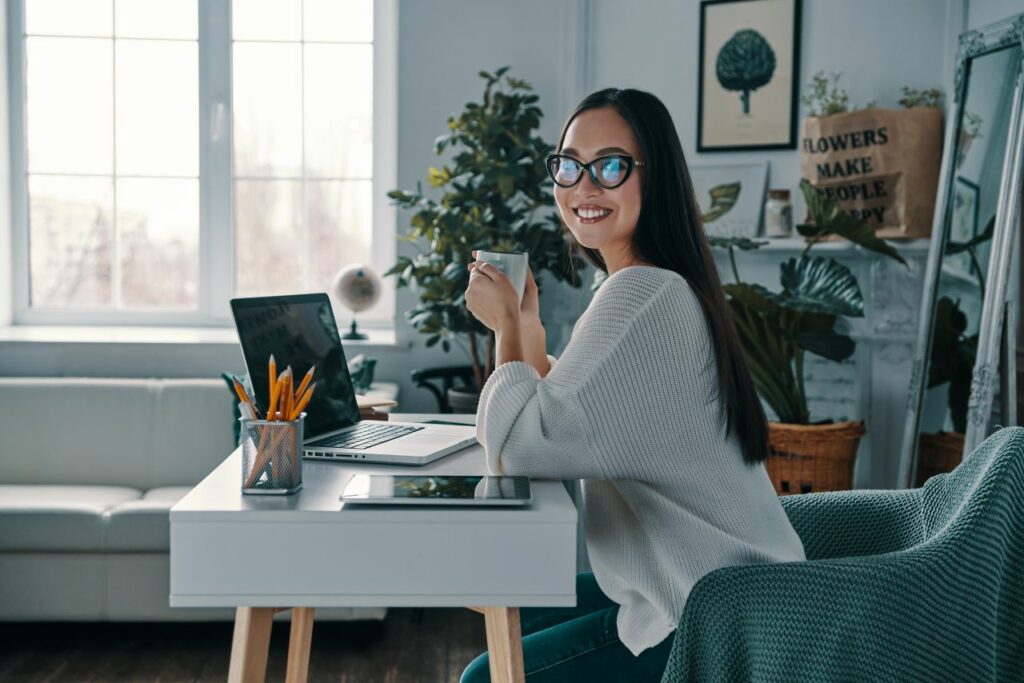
(881, 165)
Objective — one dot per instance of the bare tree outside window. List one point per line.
(303, 144)
(113, 143)
(112, 151)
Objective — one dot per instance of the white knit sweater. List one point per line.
(632, 408)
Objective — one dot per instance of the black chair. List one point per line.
(446, 376)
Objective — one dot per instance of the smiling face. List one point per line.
(601, 219)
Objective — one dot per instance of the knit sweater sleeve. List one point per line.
(546, 427)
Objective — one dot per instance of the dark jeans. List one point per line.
(578, 644)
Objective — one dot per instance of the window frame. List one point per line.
(216, 200)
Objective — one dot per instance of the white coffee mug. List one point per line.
(514, 265)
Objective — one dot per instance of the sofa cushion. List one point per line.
(143, 525)
(57, 518)
(191, 431)
(103, 434)
(141, 433)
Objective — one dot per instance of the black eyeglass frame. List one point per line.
(591, 168)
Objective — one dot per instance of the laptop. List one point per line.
(299, 329)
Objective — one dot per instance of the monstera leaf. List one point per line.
(829, 219)
(723, 198)
(768, 354)
(774, 337)
(820, 285)
(754, 297)
(827, 344)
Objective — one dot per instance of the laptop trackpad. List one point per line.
(416, 443)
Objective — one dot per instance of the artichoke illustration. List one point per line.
(745, 63)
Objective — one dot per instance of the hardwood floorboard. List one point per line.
(410, 646)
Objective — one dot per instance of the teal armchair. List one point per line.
(919, 584)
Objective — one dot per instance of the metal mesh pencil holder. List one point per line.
(271, 456)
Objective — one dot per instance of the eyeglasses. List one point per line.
(608, 172)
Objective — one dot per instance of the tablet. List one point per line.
(437, 490)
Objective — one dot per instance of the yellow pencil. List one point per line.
(285, 394)
(240, 390)
(303, 402)
(305, 383)
(275, 395)
(272, 375)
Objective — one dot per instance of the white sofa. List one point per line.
(89, 469)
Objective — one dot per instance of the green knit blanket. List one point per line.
(914, 585)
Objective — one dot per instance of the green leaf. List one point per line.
(454, 271)
(820, 285)
(767, 352)
(754, 297)
(984, 236)
(837, 347)
(437, 177)
(506, 185)
(829, 219)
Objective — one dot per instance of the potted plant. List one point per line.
(493, 190)
(777, 329)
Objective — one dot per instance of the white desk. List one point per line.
(266, 553)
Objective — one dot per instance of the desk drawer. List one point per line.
(372, 564)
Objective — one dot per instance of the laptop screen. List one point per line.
(301, 332)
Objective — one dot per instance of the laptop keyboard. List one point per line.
(364, 435)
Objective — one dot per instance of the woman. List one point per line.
(651, 404)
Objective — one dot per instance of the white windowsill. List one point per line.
(67, 334)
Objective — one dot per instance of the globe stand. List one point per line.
(354, 333)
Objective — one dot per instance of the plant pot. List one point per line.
(938, 453)
(463, 400)
(812, 458)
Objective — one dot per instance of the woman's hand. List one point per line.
(529, 310)
(491, 298)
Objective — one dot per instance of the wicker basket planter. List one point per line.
(938, 453)
(812, 458)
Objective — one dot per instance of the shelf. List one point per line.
(797, 244)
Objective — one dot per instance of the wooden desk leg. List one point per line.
(250, 645)
(298, 644)
(504, 644)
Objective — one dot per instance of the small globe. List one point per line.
(357, 287)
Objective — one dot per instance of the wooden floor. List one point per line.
(429, 646)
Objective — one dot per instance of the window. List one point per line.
(171, 154)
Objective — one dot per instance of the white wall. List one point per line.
(6, 277)
(877, 44)
(983, 12)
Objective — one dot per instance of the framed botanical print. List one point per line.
(747, 77)
(730, 197)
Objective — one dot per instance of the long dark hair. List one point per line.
(669, 234)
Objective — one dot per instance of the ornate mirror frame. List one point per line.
(991, 340)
